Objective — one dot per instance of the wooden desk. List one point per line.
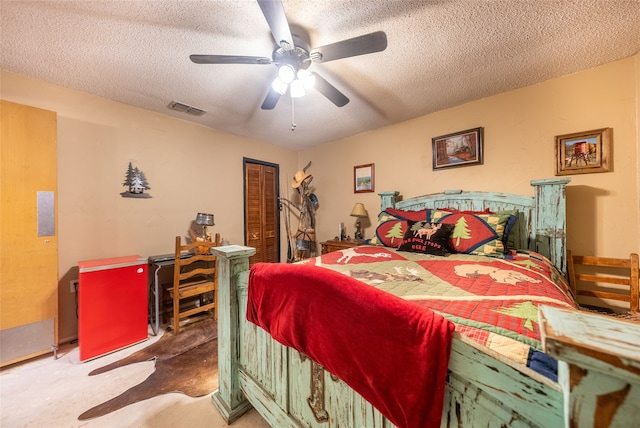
(334, 245)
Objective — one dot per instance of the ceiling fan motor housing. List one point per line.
(296, 58)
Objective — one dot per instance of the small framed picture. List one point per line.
(583, 152)
(363, 178)
(458, 149)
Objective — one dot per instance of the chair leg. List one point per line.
(176, 315)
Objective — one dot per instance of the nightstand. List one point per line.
(334, 245)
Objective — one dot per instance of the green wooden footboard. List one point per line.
(600, 387)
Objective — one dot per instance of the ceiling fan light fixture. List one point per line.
(308, 78)
(297, 89)
(279, 86)
(291, 55)
(286, 73)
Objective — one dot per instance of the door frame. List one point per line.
(245, 161)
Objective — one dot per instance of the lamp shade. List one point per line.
(358, 210)
(204, 219)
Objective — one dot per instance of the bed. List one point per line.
(473, 378)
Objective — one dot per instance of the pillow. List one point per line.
(479, 234)
(392, 225)
(455, 210)
(508, 239)
(427, 238)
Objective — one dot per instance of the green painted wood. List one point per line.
(482, 390)
(602, 379)
(550, 220)
(480, 201)
(264, 403)
(262, 358)
(541, 222)
(468, 406)
(388, 199)
(233, 268)
(528, 395)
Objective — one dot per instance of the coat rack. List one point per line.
(302, 242)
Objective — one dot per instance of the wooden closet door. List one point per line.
(261, 212)
(28, 230)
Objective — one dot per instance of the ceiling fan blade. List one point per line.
(271, 100)
(330, 91)
(229, 59)
(361, 45)
(273, 12)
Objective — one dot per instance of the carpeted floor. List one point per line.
(186, 363)
(48, 392)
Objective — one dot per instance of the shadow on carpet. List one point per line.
(186, 363)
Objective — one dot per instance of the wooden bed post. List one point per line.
(233, 269)
(602, 381)
(549, 222)
(388, 199)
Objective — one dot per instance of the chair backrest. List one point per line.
(195, 274)
(199, 252)
(623, 273)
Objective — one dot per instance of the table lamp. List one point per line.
(359, 212)
(204, 220)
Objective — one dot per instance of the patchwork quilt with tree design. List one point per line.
(493, 301)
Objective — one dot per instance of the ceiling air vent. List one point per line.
(183, 108)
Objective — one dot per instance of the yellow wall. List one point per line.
(519, 139)
(192, 168)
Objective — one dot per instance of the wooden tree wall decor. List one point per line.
(137, 183)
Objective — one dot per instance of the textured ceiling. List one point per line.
(440, 53)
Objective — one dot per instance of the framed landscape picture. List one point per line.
(458, 149)
(583, 152)
(363, 178)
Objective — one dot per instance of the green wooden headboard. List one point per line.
(541, 225)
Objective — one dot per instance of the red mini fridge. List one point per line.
(112, 304)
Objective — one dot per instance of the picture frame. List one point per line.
(464, 148)
(364, 178)
(583, 152)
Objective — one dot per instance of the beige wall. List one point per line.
(519, 130)
(190, 168)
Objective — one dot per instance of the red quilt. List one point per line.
(392, 351)
(491, 300)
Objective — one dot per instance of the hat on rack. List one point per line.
(299, 178)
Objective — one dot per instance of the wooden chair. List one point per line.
(195, 280)
(621, 272)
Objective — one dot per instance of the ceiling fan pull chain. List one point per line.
(293, 117)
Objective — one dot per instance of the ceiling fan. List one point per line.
(293, 57)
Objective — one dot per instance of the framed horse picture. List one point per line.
(583, 152)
